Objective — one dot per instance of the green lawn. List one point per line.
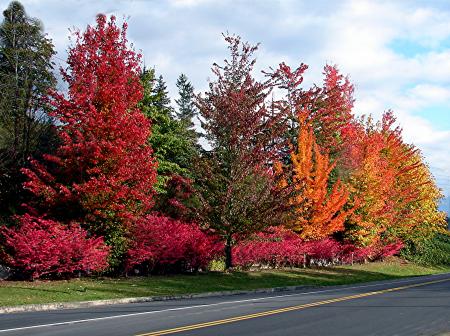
(16, 293)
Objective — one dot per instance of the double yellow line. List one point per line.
(284, 310)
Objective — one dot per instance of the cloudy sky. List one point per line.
(397, 53)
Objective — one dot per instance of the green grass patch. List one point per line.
(18, 293)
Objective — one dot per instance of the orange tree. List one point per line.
(319, 210)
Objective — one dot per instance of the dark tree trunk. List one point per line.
(228, 254)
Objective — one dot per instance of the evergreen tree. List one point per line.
(186, 105)
(173, 148)
(162, 99)
(26, 77)
(187, 109)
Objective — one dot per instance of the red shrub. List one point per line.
(326, 249)
(278, 247)
(41, 246)
(163, 241)
(275, 247)
(389, 250)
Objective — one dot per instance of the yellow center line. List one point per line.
(283, 310)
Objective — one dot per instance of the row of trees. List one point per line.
(114, 178)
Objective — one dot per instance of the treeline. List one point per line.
(108, 176)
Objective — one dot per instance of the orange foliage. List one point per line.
(414, 194)
(371, 180)
(319, 212)
(399, 198)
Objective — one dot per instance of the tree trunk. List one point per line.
(228, 254)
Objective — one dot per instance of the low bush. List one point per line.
(276, 247)
(434, 251)
(163, 244)
(39, 247)
(279, 247)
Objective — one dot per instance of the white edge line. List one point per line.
(203, 305)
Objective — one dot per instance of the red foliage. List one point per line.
(40, 246)
(369, 253)
(275, 247)
(163, 241)
(328, 108)
(325, 250)
(279, 247)
(245, 129)
(102, 174)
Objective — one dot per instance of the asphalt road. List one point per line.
(414, 306)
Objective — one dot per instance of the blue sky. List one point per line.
(397, 53)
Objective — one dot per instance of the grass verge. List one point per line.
(18, 293)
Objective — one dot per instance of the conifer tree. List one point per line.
(174, 150)
(187, 111)
(186, 105)
(26, 75)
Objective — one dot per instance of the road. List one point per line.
(413, 306)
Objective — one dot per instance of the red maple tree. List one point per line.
(103, 172)
(236, 184)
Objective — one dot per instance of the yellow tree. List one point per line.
(398, 196)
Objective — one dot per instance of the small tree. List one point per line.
(319, 212)
(237, 185)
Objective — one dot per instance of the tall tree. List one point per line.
(235, 178)
(371, 180)
(26, 75)
(414, 194)
(103, 172)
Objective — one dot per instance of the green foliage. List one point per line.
(186, 105)
(434, 251)
(238, 191)
(170, 138)
(25, 78)
(187, 109)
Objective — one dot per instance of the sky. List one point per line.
(396, 53)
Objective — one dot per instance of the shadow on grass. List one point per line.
(101, 288)
(217, 281)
